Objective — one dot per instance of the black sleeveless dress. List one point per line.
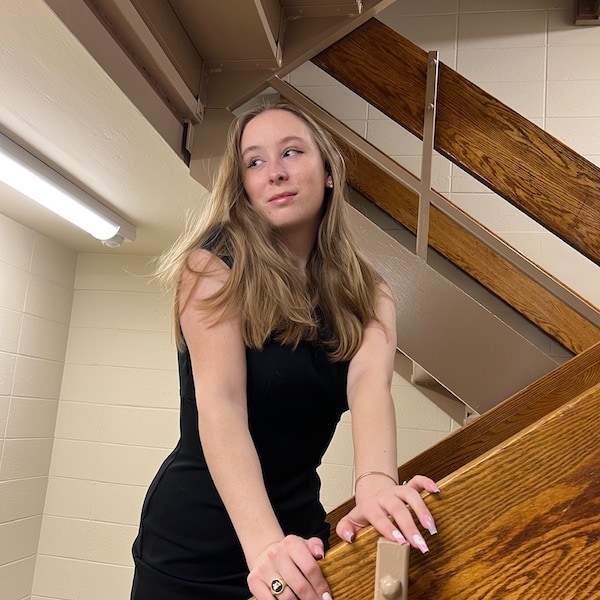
(187, 548)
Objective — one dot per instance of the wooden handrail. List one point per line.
(519, 522)
(518, 160)
(498, 424)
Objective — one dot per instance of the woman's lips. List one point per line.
(280, 198)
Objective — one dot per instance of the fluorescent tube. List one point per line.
(33, 178)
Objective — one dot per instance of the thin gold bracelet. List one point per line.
(374, 473)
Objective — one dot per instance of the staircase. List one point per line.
(521, 162)
(518, 507)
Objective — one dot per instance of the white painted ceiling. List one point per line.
(58, 103)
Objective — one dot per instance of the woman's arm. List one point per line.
(219, 368)
(378, 496)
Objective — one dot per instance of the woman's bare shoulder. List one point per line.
(204, 261)
(204, 274)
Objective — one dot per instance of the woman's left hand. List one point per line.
(387, 508)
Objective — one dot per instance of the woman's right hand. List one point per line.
(293, 561)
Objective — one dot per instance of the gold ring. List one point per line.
(277, 586)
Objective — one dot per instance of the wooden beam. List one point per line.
(516, 159)
(523, 521)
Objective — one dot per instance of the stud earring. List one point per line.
(329, 182)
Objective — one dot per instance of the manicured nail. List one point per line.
(430, 525)
(399, 537)
(326, 596)
(349, 537)
(420, 542)
(318, 553)
(436, 489)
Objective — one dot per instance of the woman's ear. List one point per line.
(329, 181)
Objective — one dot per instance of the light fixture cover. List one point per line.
(32, 177)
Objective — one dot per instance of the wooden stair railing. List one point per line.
(520, 522)
(389, 72)
(469, 443)
(550, 313)
(465, 250)
(518, 160)
(518, 512)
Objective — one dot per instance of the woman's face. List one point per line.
(283, 171)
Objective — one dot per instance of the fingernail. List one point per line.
(430, 525)
(349, 537)
(436, 489)
(318, 552)
(420, 542)
(399, 537)
(326, 596)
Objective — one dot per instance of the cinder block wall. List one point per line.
(117, 420)
(36, 293)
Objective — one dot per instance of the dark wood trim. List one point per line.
(516, 159)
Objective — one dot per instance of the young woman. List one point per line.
(282, 326)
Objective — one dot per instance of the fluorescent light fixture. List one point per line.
(30, 176)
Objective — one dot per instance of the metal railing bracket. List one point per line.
(391, 570)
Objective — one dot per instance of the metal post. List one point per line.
(427, 155)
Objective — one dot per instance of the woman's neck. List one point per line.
(300, 245)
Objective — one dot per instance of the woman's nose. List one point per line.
(278, 174)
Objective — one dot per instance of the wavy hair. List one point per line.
(330, 303)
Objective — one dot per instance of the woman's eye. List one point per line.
(291, 152)
(254, 163)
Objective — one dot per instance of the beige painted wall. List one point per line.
(117, 420)
(117, 416)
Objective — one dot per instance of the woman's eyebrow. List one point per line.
(292, 138)
(249, 149)
(282, 141)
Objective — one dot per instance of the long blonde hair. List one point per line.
(332, 302)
